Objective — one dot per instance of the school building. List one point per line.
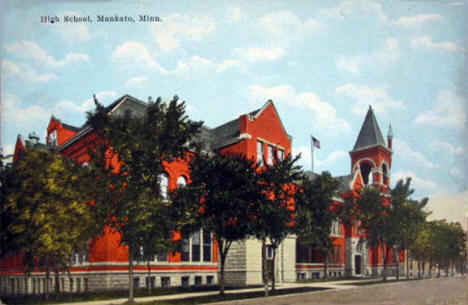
(257, 134)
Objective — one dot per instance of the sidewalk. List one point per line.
(332, 285)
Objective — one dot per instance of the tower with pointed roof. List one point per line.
(371, 157)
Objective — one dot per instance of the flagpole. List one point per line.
(312, 151)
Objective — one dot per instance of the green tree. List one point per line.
(315, 214)
(405, 218)
(222, 193)
(375, 222)
(43, 214)
(126, 166)
(274, 213)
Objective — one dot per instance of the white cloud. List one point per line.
(8, 149)
(72, 31)
(286, 26)
(449, 111)
(335, 157)
(453, 207)
(136, 53)
(178, 28)
(65, 106)
(25, 72)
(228, 64)
(260, 54)
(323, 113)
(195, 64)
(421, 185)
(35, 117)
(26, 49)
(27, 117)
(305, 160)
(404, 150)
(446, 147)
(234, 14)
(416, 20)
(137, 81)
(387, 54)
(426, 42)
(354, 9)
(363, 96)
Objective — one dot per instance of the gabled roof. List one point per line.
(370, 134)
(223, 134)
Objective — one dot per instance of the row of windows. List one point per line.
(196, 248)
(38, 285)
(165, 281)
(270, 153)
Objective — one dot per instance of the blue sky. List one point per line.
(322, 63)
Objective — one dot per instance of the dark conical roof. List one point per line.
(370, 134)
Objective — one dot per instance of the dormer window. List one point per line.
(53, 139)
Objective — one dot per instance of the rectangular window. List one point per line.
(150, 282)
(196, 247)
(260, 153)
(198, 281)
(165, 281)
(280, 154)
(185, 281)
(210, 280)
(185, 250)
(206, 246)
(271, 152)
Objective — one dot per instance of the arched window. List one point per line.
(163, 185)
(365, 172)
(385, 173)
(181, 181)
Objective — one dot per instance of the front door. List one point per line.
(357, 264)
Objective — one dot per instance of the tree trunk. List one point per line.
(407, 264)
(47, 286)
(395, 255)
(222, 255)
(273, 276)
(130, 275)
(438, 269)
(384, 262)
(221, 275)
(419, 269)
(325, 267)
(264, 269)
(149, 276)
(57, 281)
(430, 268)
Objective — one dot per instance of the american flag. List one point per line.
(315, 142)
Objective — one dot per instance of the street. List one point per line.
(445, 291)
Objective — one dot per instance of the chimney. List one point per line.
(390, 137)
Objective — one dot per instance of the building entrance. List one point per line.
(357, 264)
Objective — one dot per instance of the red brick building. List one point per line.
(258, 134)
